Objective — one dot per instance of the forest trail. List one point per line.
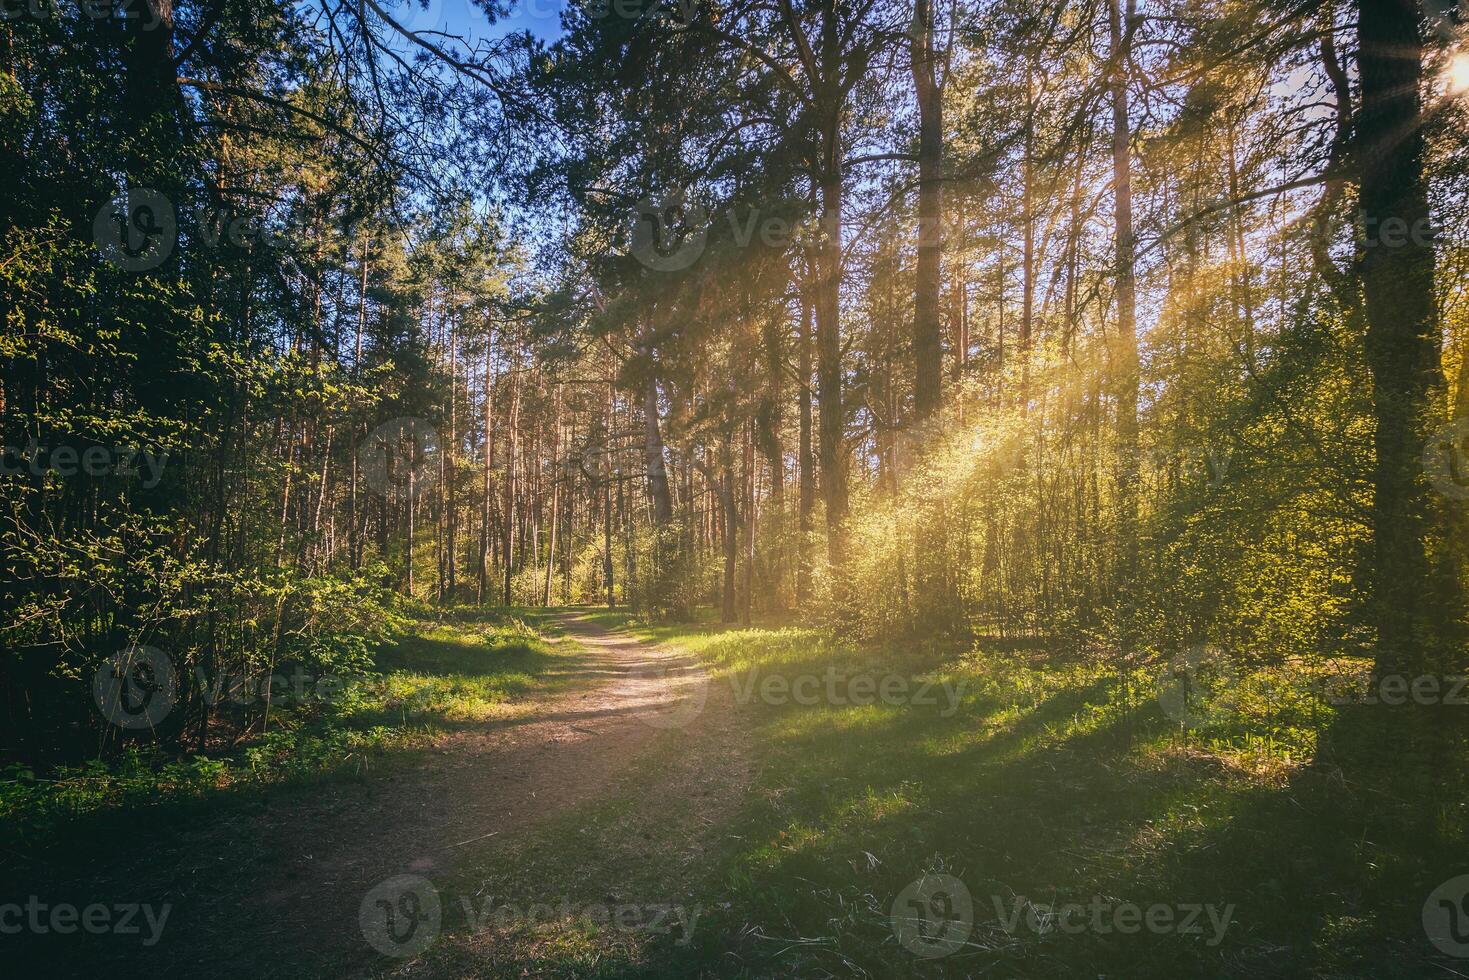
(284, 890)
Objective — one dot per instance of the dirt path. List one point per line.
(285, 892)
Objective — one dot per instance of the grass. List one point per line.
(1312, 835)
(437, 677)
(1053, 785)
(458, 671)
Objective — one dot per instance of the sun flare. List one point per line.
(1458, 73)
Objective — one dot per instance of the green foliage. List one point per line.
(673, 581)
(1250, 533)
(426, 679)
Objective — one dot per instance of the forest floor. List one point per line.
(285, 884)
(705, 801)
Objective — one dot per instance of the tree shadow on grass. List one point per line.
(1321, 872)
(196, 850)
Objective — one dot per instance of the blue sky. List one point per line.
(541, 17)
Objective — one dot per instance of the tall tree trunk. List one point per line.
(1124, 364)
(512, 462)
(729, 607)
(555, 497)
(1073, 255)
(1403, 335)
(321, 494)
(829, 372)
(927, 322)
(153, 137)
(770, 415)
(412, 509)
(748, 492)
(805, 461)
(1027, 255)
(768, 423)
(961, 305)
(607, 563)
(447, 459)
(485, 534)
(354, 534)
(653, 451)
(830, 98)
(280, 542)
(1239, 255)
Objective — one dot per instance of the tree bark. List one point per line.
(729, 607)
(653, 450)
(829, 372)
(1403, 335)
(1027, 255)
(512, 459)
(1124, 347)
(555, 498)
(485, 534)
(447, 459)
(607, 563)
(805, 460)
(829, 99)
(927, 321)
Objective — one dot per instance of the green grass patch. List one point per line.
(1065, 784)
(439, 676)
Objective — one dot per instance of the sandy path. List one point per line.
(280, 892)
